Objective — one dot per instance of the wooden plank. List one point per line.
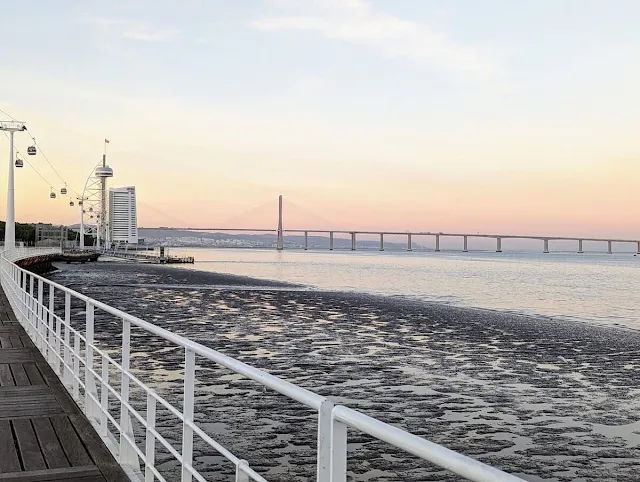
(28, 446)
(9, 461)
(5, 342)
(6, 379)
(17, 355)
(19, 375)
(73, 448)
(16, 341)
(10, 329)
(87, 473)
(35, 377)
(50, 445)
(110, 469)
(25, 392)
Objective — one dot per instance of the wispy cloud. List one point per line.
(129, 29)
(358, 22)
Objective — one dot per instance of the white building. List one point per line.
(123, 217)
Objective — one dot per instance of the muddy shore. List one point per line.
(540, 398)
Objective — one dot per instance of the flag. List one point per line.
(106, 141)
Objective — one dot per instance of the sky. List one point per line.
(459, 115)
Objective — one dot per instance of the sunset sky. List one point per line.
(494, 115)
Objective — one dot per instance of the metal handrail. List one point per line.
(60, 343)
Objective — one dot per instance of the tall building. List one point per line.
(123, 217)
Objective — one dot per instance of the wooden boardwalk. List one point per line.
(43, 434)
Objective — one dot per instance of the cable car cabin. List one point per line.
(19, 163)
(63, 190)
(31, 150)
(52, 195)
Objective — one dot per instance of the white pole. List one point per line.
(280, 243)
(81, 202)
(10, 226)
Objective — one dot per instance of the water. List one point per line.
(596, 288)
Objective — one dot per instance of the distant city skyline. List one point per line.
(492, 116)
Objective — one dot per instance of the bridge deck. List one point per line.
(43, 434)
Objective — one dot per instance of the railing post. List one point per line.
(546, 246)
(150, 440)
(323, 471)
(353, 241)
(50, 329)
(409, 243)
(128, 455)
(609, 250)
(89, 381)
(498, 245)
(330, 240)
(381, 241)
(465, 248)
(68, 376)
(638, 248)
(306, 240)
(187, 412)
(338, 451)
(104, 397)
(437, 242)
(39, 321)
(31, 306)
(580, 250)
(241, 475)
(76, 365)
(25, 307)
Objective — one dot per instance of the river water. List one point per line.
(598, 288)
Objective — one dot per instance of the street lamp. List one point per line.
(10, 225)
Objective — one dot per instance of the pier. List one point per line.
(43, 434)
(73, 368)
(145, 257)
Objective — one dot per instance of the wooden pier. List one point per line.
(43, 434)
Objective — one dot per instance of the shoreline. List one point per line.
(230, 281)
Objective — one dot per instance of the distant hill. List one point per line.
(170, 237)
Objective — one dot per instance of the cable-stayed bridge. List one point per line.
(409, 236)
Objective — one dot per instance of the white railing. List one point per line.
(73, 355)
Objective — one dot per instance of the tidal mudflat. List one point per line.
(540, 398)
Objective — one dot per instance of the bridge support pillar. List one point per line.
(437, 242)
(580, 250)
(409, 244)
(498, 245)
(546, 246)
(330, 240)
(306, 240)
(465, 248)
(280, 242)
(381, 242)
(609, 251)
(353, 241)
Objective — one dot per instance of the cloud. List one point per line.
(358, 22)
(129, 29)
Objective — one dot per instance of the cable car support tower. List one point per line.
(94, 213)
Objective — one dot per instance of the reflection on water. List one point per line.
(594, 287)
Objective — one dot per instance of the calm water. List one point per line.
(591, 287)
